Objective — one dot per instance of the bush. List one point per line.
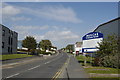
(107, 55)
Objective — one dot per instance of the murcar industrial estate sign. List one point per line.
(92, 35)
(90, 42)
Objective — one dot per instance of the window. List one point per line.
(11, 50)
(9, 40)
(2, 44)
(11, 34)
(3, 32)
(9, 31)
(8, 49)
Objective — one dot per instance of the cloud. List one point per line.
(30, 28)
(10, 13)
(20, 18)
(24, 31)
(60, 13)
(59, 38)
(55, 34)
(59, 35)
(9, 10)
(57, 13)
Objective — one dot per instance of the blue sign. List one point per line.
(89, 50)
(92, 35)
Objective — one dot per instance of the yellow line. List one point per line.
(60, 71)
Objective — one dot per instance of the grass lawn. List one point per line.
(102, 70)
(103, 78)
(13, 56)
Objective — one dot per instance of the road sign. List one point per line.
(90, 42)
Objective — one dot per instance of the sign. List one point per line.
(89, 50)
(90, 42)
(92, 35)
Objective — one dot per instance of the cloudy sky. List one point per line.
(63, 23)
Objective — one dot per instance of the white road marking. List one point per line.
(13, 75)
(34, 67)
(47, 62)
(9, 64)
(30, 68)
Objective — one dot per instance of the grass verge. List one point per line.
(103, 78)
(13, 56)
(97, 70)
(102, 70)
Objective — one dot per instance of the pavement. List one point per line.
(74, 70)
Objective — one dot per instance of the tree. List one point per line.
(70, 48)
(29, 42)
(107, 55)
(45, 44)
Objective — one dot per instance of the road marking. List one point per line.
(9, 64)
(47, 62)
(34, 67)
(60, 70)
(13, 64)
(13, 75)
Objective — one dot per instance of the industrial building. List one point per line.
(8, 40)
(90, 40)
(109, 28)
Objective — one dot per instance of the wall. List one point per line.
(15, 42)
(10, 41)
(109, 28)
(5, 39)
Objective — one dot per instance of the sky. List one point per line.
(62, 23)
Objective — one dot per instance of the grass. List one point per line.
(98, 70)
(13, 56)
(105, 78)
(102, 70)
(81, 59)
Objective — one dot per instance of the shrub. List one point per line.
(107, 55)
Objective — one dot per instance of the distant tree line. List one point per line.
(31, 44)
(70, 48)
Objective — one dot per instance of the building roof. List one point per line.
(107, 23)
(8, 28)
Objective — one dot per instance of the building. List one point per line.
(109, 28)
(101, 32)
(78, 47)
(8, 40)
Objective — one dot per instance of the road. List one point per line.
(45, 68)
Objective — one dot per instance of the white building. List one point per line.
(78, 47)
